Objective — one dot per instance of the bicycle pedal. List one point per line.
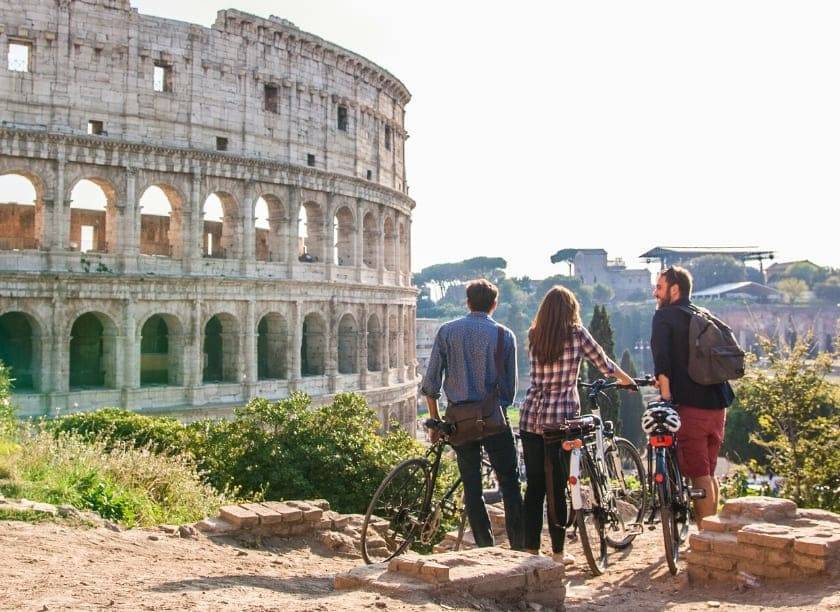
(697, 493)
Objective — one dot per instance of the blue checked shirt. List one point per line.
(463, 360)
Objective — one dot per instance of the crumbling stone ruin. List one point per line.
(276, 256)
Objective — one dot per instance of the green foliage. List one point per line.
(807, 272)
(602, 293)
(797, 410)
(711, 270)
(8, 423)
(476, 267)
(738, 445)
(632, 405)
(602, 332)
(130, 485)
(793, 288)
(829, 290)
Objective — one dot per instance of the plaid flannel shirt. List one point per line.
(552, 398)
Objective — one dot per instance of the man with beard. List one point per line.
(702, 408)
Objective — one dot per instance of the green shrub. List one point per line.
(8, 422)
(130, 485)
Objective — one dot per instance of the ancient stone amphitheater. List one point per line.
(216, 214)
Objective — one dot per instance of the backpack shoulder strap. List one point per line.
(500, 354)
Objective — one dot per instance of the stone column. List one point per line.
(56, 231)
(60, 350)
(386, 352)
(401, 356)
(294, 346)
(363, 347)
(331, 358)
(132, 357)
(380, 247)
(329, 232)
(194, 235)
(250, 342)
(129, 236)
(194, 354)
(360, 240)
(249, 255)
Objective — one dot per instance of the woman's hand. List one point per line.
(623, 379)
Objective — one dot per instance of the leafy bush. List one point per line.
(130, 485)
(8, 423)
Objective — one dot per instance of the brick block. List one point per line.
(508, 586)
(299, 529)
(721, 524)
(766, 534)
(323, 504)
(709, 560)
(778, 557)
(697, 574)
(767, 571)
(551, 574)
(808, 562)
(817, 546)
(267, 515)
(239, 516)
(287, 512)
(700, 543)
(435, 571)
(738, 550)
(762, 508)
(214, 526)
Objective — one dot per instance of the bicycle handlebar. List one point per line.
(601, 384)
(440, 425)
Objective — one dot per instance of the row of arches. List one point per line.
(161, 226)
(93, 348)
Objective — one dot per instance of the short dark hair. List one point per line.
(676, 275)
(481, 294)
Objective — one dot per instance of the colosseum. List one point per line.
(213, 214)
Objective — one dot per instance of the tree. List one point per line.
(602, 332)
(711, 270)
(797, 409)
(829, 290)
(806, 271)
(602, 293)
(632, 405)
(477, 267)
(793, 288)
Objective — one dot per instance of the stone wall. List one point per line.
(764, 538)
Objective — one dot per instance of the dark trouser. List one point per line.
(501, 450)
(535, 470)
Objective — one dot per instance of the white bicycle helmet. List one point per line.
(663, 416)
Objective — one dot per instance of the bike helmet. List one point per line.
(658, 417)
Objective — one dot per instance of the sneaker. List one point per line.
(564, 558)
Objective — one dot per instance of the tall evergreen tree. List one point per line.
(602, 332)
(632, 405)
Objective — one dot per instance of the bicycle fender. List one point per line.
(574, 470)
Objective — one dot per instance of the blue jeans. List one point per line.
(501, 449)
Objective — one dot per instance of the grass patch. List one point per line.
(130, 485)
(27, 516)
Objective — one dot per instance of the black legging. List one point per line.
(535, 494)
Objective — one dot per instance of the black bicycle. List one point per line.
(405, 510)
(671, 496)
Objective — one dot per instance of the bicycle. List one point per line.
(671, 496)
(606, 479)
(404, 510)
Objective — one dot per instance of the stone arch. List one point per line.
(344, 237)
(370, 241)
(404, 264)
(311, 237)
(93, 352)
(161, 221)
(390, 244)
(393, 340)
(21, 210)
(348, 345)
(220, 348)
(272, 339)
(21, 349)
(221, 226)
(313, 348)
(374, 344)
(93, 215)
(270, 228)
(161, 350)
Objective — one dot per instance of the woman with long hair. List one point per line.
(557, 342)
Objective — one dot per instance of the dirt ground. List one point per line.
(55, 566)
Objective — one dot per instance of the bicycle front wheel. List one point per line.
(627, 480)
(590, 518)
(670, 535)
(398, 511)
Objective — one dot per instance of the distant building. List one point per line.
(425, 332)
(781, 269)
(592, 267)
(745, 290)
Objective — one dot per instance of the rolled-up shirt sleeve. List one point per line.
(596, 354)
(660, 344)
(433, 379)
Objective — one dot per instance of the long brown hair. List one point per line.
(558, 315)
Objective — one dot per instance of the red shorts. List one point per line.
(699, 440)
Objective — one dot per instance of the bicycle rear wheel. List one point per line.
(626, 473)
(589, 518)
(398, 511)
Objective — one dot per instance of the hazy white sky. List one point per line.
(537, 126)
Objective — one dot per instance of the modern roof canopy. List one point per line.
(669, 255)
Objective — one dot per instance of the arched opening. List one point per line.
(348, 345)
(270, 226)
(221, 348)
(313, 346)
(21, 213)
(374, 344)
(161, 222)
(161, 349)
(343, 237)
(272, 336)
(393, 341)
(220, 227)
(262, 229)
(404, 255)
(390, 245)
(370, 244)
(20, 349)
(310, 232)
(92, 216)
(92, 352)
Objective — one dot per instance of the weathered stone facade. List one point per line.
(179, 313)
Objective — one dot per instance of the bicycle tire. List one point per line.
(667, 518)
(681, 498)
(629, 490)
(403, 498)
(590, 527)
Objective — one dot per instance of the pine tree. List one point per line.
(632, 405)
(602, 332)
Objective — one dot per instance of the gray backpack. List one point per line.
(713, 352)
